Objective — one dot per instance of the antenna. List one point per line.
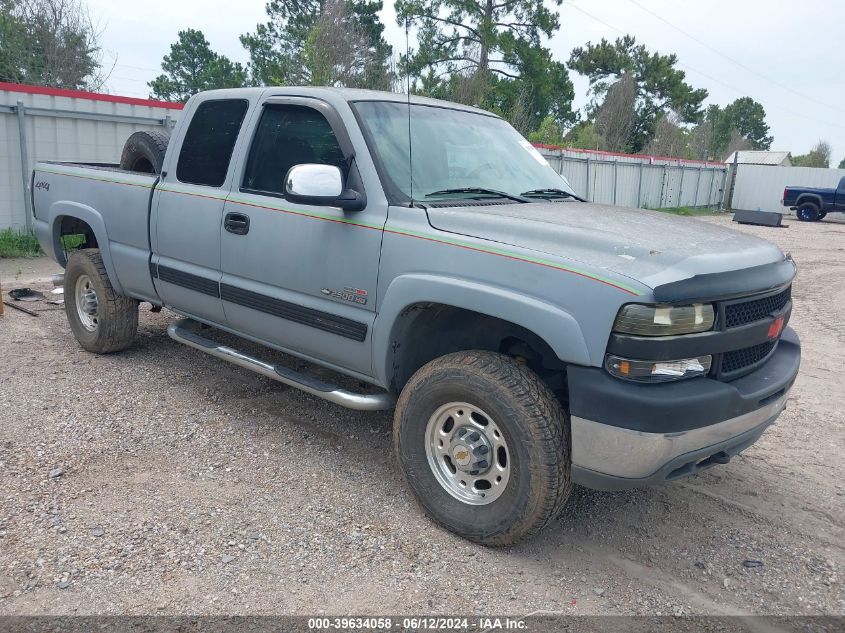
(408, 91)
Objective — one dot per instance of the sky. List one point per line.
(786, 55)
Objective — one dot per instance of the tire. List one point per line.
(528, 418)
(822, 215)
(105, 322)
(144, 152)
(808, 212)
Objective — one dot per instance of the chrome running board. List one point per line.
(182, 332)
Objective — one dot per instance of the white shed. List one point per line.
(760, 157)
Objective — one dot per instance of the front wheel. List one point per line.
(484, 445)
(101, 320)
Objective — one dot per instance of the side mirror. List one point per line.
(321, 185)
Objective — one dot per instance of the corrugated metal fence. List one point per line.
(39, 123)
(630, 180)
(760, 187)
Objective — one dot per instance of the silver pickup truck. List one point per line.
(526, 339)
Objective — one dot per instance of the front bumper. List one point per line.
(626, 435)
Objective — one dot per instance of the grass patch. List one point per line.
(18, 244)
(691, 211)
(73, 241)
(24, 244)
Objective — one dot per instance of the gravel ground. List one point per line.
(162, 481)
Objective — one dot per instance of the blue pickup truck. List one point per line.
(812, 204)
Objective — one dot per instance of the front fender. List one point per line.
(555, 326)
(92, 218)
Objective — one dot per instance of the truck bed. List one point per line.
(102, 195)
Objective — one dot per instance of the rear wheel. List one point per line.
(144, 152)
(809, 212)
(100, 319)
(484, 446)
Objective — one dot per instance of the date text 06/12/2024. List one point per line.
(417, 624)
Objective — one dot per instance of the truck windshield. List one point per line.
(452, 150)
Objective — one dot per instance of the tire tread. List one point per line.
(119, 321)
(546, 422)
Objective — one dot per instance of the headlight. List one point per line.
(657, 371)
(645, 320)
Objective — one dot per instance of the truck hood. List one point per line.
(648, 246)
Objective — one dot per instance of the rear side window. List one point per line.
(289, 135)
(209, 142)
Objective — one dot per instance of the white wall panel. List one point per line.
(53, 137)
(639, 181)
(760, 187)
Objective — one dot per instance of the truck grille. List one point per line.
(742, 358)
(737, 314)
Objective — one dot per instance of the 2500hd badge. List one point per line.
(355, 295)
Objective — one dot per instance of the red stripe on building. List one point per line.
(599, 152)
(93, 96)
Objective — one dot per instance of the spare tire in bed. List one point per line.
(144, 152)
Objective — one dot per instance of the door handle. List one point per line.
(237, 223)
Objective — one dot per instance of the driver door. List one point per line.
(300, 277)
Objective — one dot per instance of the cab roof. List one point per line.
(332, 94)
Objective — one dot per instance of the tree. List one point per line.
(819, 156)
(745, 117)
(479, 36)
(50, 43)
(320, 42)
(616, 117)
(701, 140)
(736, 143)
(669, 139)
(842, 164)
(338, 51)
(549, 133)
(192, 66)
(661, 88)
(543, 89)
(584, 136)
(489, 53)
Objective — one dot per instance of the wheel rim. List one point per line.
(86, 303)
(467, 453)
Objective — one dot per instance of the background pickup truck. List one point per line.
(526, 339)
(812, 204)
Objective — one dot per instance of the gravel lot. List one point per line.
(159, 480)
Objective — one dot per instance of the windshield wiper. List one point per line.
(551, 193)
(481, 190)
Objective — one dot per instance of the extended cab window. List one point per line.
(289, 135)
(209, 141)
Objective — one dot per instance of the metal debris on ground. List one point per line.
(26, 294)
(21, 308)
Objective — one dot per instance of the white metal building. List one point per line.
(38, 123)
(760, 188)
